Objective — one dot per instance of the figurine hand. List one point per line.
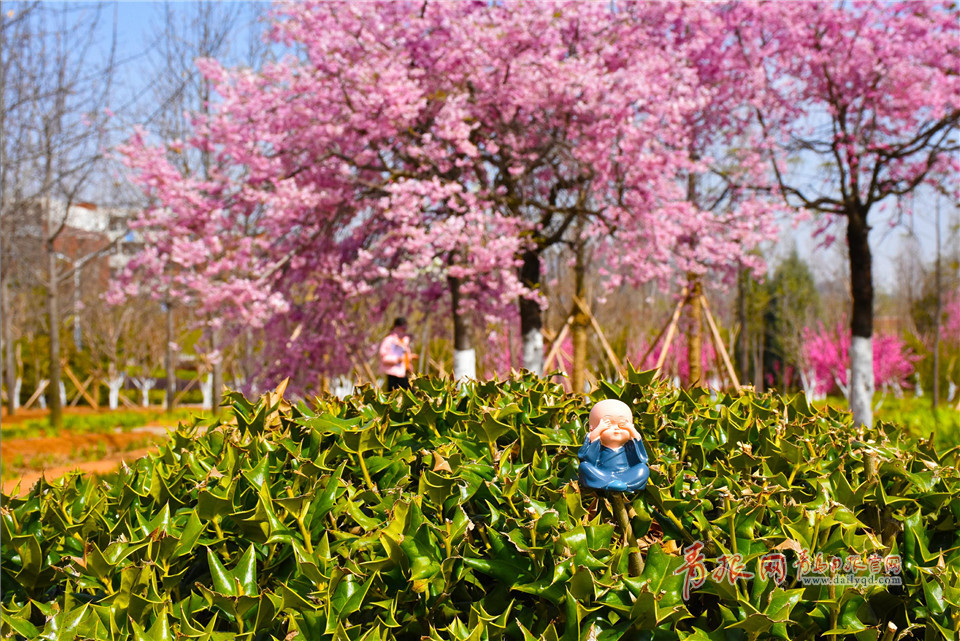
(634, 434)
(598, 430)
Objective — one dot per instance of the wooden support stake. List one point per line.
(44, 383)
(668, 324)
(193, 381)
(618, 366)
(79, 393)
(671, 332)
(365, 367)
(591, 379)
(369, 371)
(718, 343)
(81, 389)
(126, 401)
(560, 355)
(424, 342)
(555, 345)
(441, 370)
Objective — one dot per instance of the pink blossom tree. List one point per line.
(726, 209)
(868, 95)
(420, 146)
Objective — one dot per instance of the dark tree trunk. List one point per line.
(461, 337)
(216, 395)
(53, 314)
(758, 365)
(744, 339)
(938, 313)
(531, 320)
(578, 327)
(861, 320)
(695, 338)
(9, 357)
(171, 363)
(464, 358)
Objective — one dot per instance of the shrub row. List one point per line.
(450, 512)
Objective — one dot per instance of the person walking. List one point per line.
(396, 357)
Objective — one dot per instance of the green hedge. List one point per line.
(453, 513)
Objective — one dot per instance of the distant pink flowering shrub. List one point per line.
(951, 319)
(827, 354)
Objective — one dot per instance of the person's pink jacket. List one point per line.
(392, 350)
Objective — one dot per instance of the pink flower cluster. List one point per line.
(826, 354)
(401, 144)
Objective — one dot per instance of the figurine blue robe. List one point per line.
(623, 469)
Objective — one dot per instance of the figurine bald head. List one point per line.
(613, 457)
(612, 421)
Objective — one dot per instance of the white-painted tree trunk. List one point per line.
(113, 395)
(809, 381)
(63, 394)
(861, 380)
(533, 351)
(342, 387)
(464, 364)
(206, 386)
(896, 390)
(15, 399)
(844, 388)
(918, 390)
(145, 385)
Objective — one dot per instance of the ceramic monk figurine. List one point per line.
(613, 456)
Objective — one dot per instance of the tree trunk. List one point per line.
(9, 357)
(578, 332)
(171, 363)
(743, 339)
(216, 397)
(758, 380)
(531, 320)
(464, 356)
(115, 380)
(145, 386)
(9, 364)
(249, 370)
(938, 312)
(861, 321)
(695, 337)
(53, 318)
(578, 328)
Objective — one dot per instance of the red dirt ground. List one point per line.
(103, 466)
(53, 457)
